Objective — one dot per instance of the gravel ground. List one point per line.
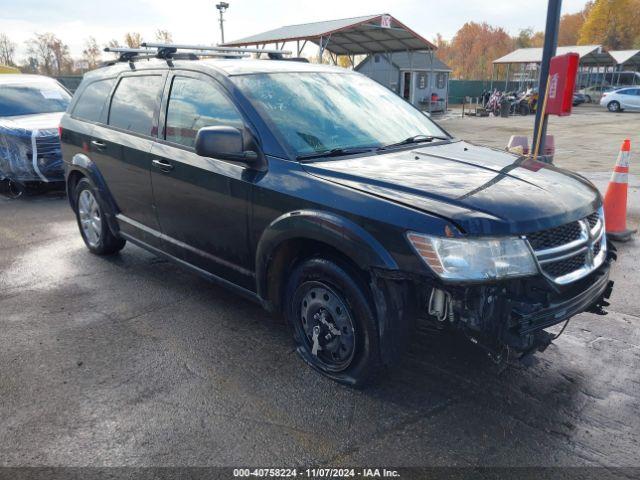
(132, 361)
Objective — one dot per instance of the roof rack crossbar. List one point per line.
(127, 54)
(167, 46)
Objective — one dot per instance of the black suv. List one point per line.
(330, 200)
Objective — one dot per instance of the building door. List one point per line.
(406, 86)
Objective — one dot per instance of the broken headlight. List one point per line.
(474, 259)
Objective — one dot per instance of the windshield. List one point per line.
(32, 97)
(321, 112)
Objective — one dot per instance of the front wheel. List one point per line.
(613, 106)
(333, 322)
(93, 225)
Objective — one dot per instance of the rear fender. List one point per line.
(83, 164)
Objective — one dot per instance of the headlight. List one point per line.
(474, 259)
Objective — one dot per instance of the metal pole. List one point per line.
(431, 79)
(550, 45)
(506, 78)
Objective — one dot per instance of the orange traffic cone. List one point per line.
(615, 199)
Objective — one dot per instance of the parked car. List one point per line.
(31, 107)
(594, 92)
(578, 99)
(619, 100)
(329, 200)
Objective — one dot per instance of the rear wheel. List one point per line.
(334, 325)
(614, 106)
(92, 223)
(587, 98)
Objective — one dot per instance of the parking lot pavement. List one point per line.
(132, 361)
(587, 142)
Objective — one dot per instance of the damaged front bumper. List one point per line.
(511, 315)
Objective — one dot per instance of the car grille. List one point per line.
(571, 251)
(554, 237)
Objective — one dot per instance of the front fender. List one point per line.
(339, 232)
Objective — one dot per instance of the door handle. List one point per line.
(163, 166)
(99, 145)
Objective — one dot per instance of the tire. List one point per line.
(524, 109)
(333, 322)
(614, 106)
(587, 98)
(92, 223)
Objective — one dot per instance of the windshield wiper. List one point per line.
(335, 152)
(415, 139)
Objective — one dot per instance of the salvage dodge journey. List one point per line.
(333, 203)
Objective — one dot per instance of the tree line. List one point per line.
(47, 54)
(611, 23)
(470, 53)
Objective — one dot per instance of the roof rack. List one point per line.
(224, 50)
(193, 52)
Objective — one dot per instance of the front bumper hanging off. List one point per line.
(505, 315)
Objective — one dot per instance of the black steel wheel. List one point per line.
(334, 326)
(327, 325)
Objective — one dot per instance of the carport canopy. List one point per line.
(349, 36)
(626, 57)
(590, 55)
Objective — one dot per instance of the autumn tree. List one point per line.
(133, 39)
(570, 25)
(474, 47)
(612, 23)
(7, 50)
(164, 36)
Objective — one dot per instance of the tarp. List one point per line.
(30, 148)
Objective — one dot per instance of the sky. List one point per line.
(195, 21)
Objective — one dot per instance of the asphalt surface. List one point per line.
(130, 360)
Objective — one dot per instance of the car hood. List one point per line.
(28, 123)
(484, 191)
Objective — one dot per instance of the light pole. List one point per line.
(222, 7)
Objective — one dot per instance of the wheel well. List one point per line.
(74, 177)
(291, 252)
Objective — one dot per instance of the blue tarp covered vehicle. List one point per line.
(30, 110)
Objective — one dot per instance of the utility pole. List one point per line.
(222, 7)
(550, 45)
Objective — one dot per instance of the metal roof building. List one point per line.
(593, 59)
(364, 35)
(590, 55)
(626, 57)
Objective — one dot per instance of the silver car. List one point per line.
(623, 99)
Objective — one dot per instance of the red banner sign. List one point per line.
(562, 81)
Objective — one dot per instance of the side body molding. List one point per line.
(339, 232)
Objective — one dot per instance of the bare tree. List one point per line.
(7, 50)
(91, 53)
(39, 49)
(133, 39)
(164, 36)
(63, 60)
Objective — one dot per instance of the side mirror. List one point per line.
(225, 143)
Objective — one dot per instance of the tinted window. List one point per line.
(627, 91)
(32, 97)
(134, 103)
(92, 99)
(194, 104)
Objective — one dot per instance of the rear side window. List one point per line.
(92, 100)
(194, 104)
(134, 103)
